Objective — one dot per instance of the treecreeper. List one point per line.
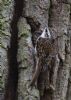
(47, 59)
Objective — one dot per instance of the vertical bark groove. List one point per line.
(12, 79)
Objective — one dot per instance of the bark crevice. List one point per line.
(12, 77)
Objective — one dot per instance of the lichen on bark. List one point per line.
(52, 13)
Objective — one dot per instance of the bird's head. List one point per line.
(46, 33)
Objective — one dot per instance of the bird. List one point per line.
(45, 56)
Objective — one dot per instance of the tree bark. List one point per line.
(38, 14)
(56, 15)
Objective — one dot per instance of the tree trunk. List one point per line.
(38, 14)
(55, 15)
(69, 81)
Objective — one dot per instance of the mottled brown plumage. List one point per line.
(46, 57)
(45, 47)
